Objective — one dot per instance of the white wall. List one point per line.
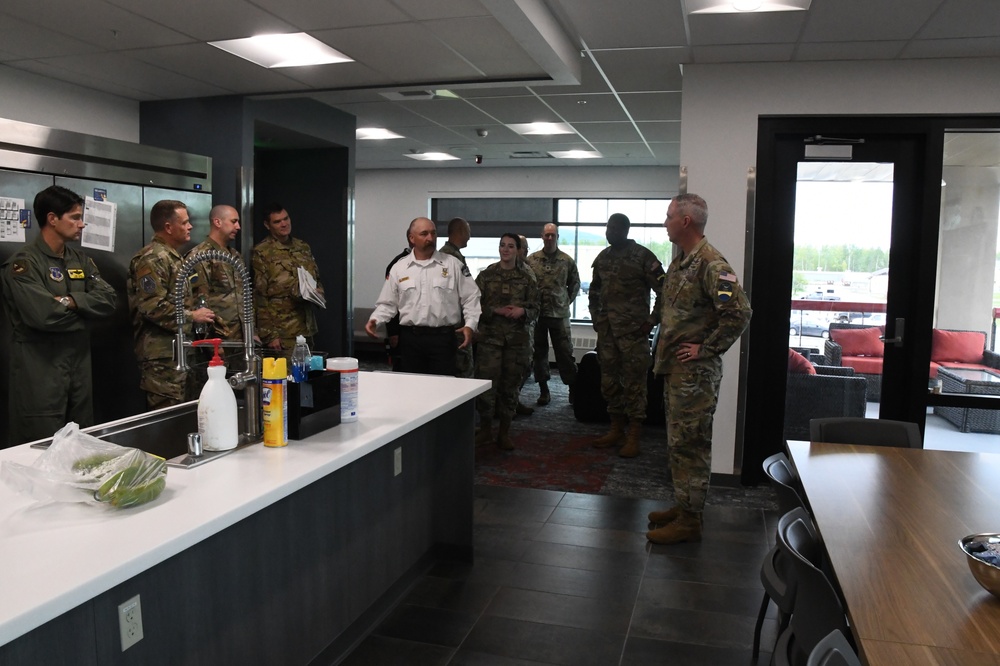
(386, 201)
(720, 107)
(30, 98)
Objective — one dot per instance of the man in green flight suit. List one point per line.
(151, 276)
(50, 290)
(282, 312)
(705, 311)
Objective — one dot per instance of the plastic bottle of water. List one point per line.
(301, 357)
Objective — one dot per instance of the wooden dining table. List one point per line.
(890, 520)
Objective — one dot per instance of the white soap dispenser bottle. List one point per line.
(217, 405)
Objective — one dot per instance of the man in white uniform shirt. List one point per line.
(437, 301)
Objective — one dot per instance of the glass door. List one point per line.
(964, 368)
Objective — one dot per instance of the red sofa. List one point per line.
(858, 346)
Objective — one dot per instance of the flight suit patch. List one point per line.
(18, 267)
(55, 274)
(76, 273)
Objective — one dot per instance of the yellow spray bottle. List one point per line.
(274, 402)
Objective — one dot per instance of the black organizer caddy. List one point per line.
(313, 405)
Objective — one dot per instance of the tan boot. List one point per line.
(523, 410)
(503, 437)
(631, 448)
(485, 433)
(663, 517)
(613, 435)
(686, 527)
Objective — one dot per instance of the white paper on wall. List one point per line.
(12, 220)
(100, 218)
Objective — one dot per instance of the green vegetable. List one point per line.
(88, 464)
(136, 484)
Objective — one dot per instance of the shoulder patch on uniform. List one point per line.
(466, 272)
(18, 267)
(655, 265)
(55, 274)
(725, 291)
(728, 277)
(193, 279)
(147, 284)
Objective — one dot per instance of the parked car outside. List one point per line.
(808, 324)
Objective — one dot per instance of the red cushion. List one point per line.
(858, 341)
(798, 363)
(957, 346)
(864, 365)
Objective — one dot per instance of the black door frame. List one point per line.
(914, 245)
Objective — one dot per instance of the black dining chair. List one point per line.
(833, 650)
(817, 610)
(869, 432)
(774, 574)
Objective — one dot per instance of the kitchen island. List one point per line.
(264, 556)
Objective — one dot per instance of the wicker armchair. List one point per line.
(832, 355)
(832, 391)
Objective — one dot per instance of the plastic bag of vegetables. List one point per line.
(78, 467)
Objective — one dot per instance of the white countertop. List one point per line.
(55, 557)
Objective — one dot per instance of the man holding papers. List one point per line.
(286, 284)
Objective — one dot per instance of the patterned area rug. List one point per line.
(553, 451)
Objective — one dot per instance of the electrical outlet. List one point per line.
(397, 461)
(130, 622)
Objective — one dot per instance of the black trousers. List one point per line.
(428, 351)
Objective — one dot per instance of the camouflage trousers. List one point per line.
(465, 366)
(690, 399)
(163, 383)
(504, 365)
(562, 344)
(624, 361)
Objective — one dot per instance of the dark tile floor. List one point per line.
(564, 578)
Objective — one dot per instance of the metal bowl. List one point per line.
(986, 574)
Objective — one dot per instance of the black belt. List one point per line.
(430, 330)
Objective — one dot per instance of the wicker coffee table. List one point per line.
(967, 380)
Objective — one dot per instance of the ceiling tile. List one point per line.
(586, 108)
(381, 114)
(509, 110)
(864, 20)
(473, 93)
(209, 64)
(339, 75)
(85, 79)
(340, 14)
(635, 23)
(607, 132)
(445, 111)
(660, 130)
(591, 81)
(749, 28)
(425, 10)
(958, 19)
(632, 70)
(208, 21)
(30, 41)
(850, 51)
(653, 106)
(485, 44)
(744, 53)
(977, 47)
(623, 150)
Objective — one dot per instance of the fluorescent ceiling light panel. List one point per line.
(575, 154)
(368, 133)
(541, 128)
(292, 50)
(744, 6)
(431, 157)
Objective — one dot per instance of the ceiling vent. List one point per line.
(529, 155)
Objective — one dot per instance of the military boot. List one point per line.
(503, 437)
(485, 433)
(544, 397)
(631, 448)
(523, 410)
(686, 527)
(663, 517)
(612, 436)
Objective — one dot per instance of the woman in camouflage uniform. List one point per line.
(510, 304)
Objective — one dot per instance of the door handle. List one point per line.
(899, 329)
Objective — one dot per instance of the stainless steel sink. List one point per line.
(163, 433)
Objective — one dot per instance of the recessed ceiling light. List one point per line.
(431, 157)
(292, 50)
(741, 6)
(541, 128)
(575, 154)
(365, 133)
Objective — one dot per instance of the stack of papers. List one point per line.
(307, 288)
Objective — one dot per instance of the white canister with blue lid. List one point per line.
(348, 369)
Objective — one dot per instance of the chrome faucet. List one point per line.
(249, 380)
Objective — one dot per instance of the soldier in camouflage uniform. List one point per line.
(558, 286)
(522, 409)
(218, 287)
(459, 234)
(151, 276)
(623, 275)
(50, 290)
(509, 303)
(282, 313)
(704, 312)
